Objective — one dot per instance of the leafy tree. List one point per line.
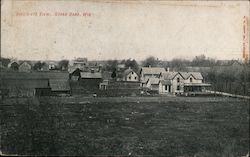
(38, 65)
(63, 64)
(132, 64)
(111, 65)
(150, 61)
(113, 75)
(5, 61)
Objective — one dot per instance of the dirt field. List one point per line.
(167, 126)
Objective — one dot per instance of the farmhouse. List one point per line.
(149, 72)
(130, 75)
(181, 82)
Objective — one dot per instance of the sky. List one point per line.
(121, 30)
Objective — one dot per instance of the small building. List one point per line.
(25, 67)
(130, 75)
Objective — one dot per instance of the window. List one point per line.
(178, 79)
(178, 87)
(191, 79)
(132, 72)
(135, 78)
(166, 87)
(129, 77)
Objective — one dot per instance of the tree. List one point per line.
(179, 64)
(111, 65)
(113, 75)
(5, 61)
(132, 64)
(38, 65)
(63, 64)
(150, 61)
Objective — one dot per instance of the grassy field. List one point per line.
(153, 126)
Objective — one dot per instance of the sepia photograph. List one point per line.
(123, 78)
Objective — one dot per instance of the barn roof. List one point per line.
(59, 85)
(35, 75)
(90, 75)
(152, 70)
(24, 83)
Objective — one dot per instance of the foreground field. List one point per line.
(172, 126)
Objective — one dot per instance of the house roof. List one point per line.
(185, 75)
(196, 75)
(169, 75)
(153, 80)
(127, 71)
(152, 70)
(90, 75)
(59, 85)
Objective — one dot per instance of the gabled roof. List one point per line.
(152, 70)
(169, 75)
(127, 71)
(90, 75)
(185, 75)
(196, 75)
(153, 80)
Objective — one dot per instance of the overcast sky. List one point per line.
(122, 30)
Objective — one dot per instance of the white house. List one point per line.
(181, 82)
(130, 75)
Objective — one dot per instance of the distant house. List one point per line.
(79, 63)
(130, 75)
(25, 67)
(13, 66)
(149, 72)
(181, 82)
